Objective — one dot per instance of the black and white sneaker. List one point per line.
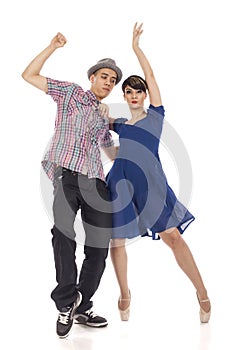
(66, 318)
(89, 318)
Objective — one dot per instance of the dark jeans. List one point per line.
(74, 191)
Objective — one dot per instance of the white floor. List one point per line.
(164, 309)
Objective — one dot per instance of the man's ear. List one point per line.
(92, 78)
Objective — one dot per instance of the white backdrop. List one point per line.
(189, 45)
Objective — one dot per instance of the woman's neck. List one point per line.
(136, 114)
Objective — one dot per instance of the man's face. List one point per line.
(102, 82)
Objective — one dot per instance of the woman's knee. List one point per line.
(117, 243)
(171, 237)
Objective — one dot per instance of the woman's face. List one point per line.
(134, 98)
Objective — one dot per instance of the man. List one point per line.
(73, 163)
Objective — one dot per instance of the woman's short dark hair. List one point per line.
(135, 82)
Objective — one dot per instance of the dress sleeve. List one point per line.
(159, 109)
(118, 124)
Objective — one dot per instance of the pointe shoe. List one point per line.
(204, 316)
(124, 314)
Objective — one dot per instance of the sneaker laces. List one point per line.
(91, 313)
(63, 317)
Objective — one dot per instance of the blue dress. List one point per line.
(142, 201)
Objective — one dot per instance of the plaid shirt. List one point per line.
(79, 132)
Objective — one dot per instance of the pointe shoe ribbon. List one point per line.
(124, 314)
(204, 315)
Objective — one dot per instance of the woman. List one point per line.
(141, 197)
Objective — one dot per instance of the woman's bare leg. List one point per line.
(120, 263)
(185, 260)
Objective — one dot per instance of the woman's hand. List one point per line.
(137, 31)
(104, 110)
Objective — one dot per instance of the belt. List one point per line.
(72, 171)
